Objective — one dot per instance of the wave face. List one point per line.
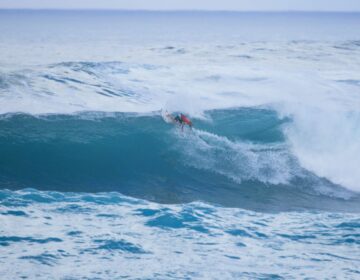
(234, 153)
(95, 185)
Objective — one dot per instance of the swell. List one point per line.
(234, 158)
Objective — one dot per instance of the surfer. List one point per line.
(180, 119)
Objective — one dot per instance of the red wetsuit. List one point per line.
(186, 120)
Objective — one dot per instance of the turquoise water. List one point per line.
(95, 185)
(239, 155)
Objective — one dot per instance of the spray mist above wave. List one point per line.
(76, 86)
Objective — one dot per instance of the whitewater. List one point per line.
(95, 185)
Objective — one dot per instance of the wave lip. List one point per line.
(327, 143)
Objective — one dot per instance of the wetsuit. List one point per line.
(184, 119)
(178, 119)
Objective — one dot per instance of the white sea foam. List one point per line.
(109, 236)
(238, 160)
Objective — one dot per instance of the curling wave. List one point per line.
(142, 156)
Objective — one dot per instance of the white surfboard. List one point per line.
(167, 116)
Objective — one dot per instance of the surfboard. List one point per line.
(166, 116)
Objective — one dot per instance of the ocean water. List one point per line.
(95, 185)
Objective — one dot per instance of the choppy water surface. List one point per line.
(106, 236)
(95, 185)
